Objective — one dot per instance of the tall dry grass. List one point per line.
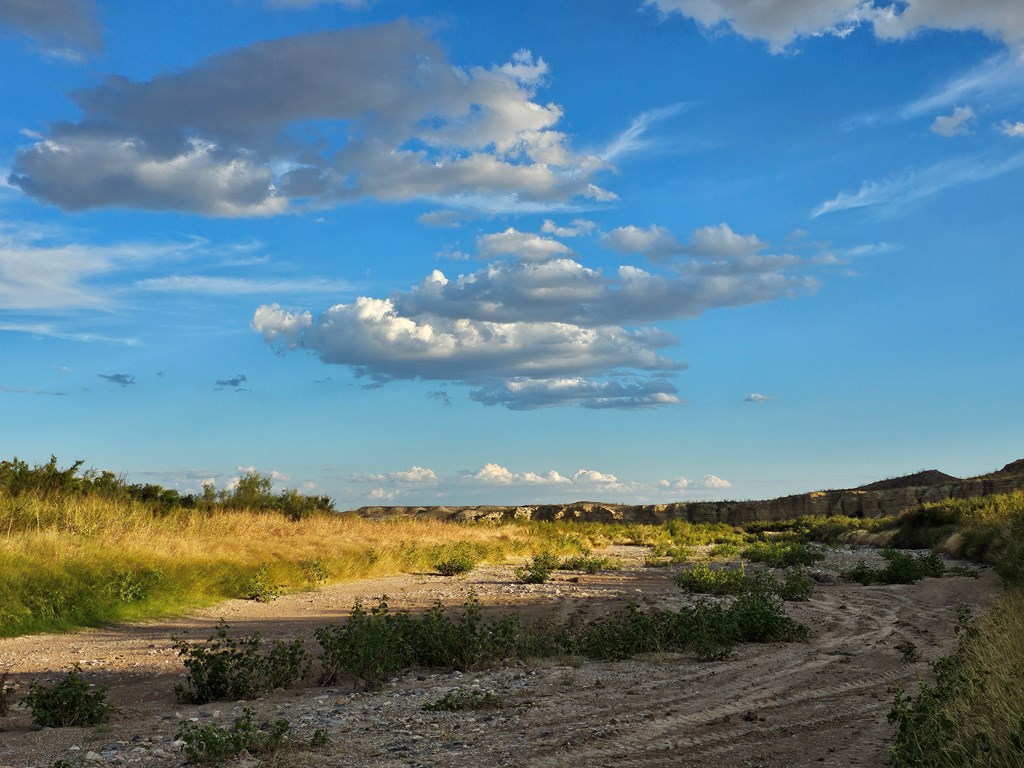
(82, 560)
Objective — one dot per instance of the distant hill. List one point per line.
(926, 477)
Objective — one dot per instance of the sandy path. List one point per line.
(823, 702)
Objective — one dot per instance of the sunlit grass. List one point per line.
(83, 560)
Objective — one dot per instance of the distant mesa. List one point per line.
(880, 499)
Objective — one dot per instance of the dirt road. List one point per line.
(819, 703)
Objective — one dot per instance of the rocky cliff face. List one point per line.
(889, 497)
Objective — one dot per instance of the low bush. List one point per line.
(374, 645)
(371, 646)
(674, 553)
(69, 702)
(462, 700)
(728, 549)
(261, 588)
(226, 669)
(589, 564)
(538, 570)
(314, 571)
(900, 568)
(783, 554)
(709, 581)
(456, 564)
(796, 585)
(703, 579)
(212, 744)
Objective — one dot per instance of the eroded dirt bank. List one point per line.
(823, 702)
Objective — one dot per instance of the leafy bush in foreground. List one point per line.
(211, 744)
(69, 702)
(226, 669)
(374, 645)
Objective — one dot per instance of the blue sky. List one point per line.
(449, 252)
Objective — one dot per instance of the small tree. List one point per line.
(254, 491)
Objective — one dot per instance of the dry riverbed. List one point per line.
(818, 703)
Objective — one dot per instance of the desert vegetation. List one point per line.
(81, 548)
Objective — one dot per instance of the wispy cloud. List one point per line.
(634, 138)
(43, 329)
(239, 286)
(20, 391)
(898, 191)
(757, 397)
(999, 80)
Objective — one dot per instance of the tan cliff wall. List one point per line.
(853, 503)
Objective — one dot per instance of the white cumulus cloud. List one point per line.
(539, 329)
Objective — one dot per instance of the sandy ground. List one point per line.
(822, 702)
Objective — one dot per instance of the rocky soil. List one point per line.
(819, 703)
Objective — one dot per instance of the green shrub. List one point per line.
(260, 588)
(538, 570)
(702, 579)
(461, 700)
(226, 669)
(590, 564)
(456, 564)
(796, 585)
(314, 571)
(706, 580)
(212, 744)
(728, 549)
(133, 586)
(783, 554)
(900, 568)
(468, 641)
(372, 646)
(69, 702)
